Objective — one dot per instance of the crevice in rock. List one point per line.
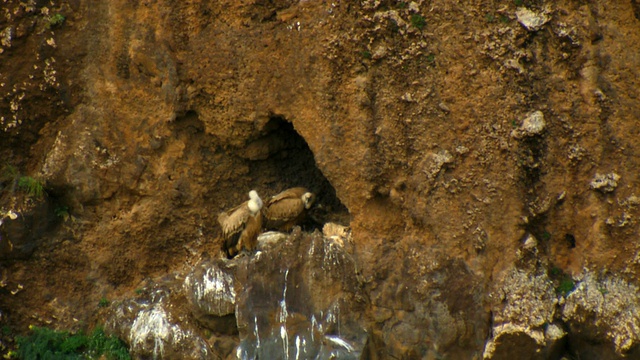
(282, 159)
(636, 8)
(190, 122)
(531, 156)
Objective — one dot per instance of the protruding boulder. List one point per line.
(605, 183)
(300, 298)
(210, 290)
(524, 306)
(533, 124)
(156, 325)
(532, 21)
(602, 318)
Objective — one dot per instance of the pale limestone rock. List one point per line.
(605, 182)
(523, 316)
(531, 20)
(605, 311)
(532, 125)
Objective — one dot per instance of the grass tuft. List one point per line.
(32, 187)
(44, 343)
(56, 21)
(104, 302)
(418, 21)
(567, 285)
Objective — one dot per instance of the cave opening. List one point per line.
(282, 159)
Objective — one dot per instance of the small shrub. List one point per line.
(490, 17)
(518, 2)
(567, 285)
(504, 19)
(61, 211)
(44, 343)
(418, 21)
(366, 54)
(56, 20)
(99, 343)
(431, 59)
(32, 187)
(104, 302)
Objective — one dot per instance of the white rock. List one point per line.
(337, 233)
(532, 125)
(269, 238)
(530, 242)
(605, 182)
(554, 332)
(12, 215)
(379, 52)
(530, 20)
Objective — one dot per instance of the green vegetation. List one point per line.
(504, 19)
(518, 2)
(6, 330)
(61, 211)
(56, 20)
(402, 5)
(44, 343)
(431, 59)
(490, 17)
(567, 285)
(104, 302)
(366, 54)
(32, 187)
(603, 291)
(418, 21)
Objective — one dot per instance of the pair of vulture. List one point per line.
(242, 224)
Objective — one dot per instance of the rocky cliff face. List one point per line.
(483, 156)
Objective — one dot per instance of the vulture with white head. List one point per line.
(241, 225)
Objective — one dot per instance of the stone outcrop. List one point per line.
(602, 317)
(298, 297)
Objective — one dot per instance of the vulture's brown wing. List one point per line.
(285, 209)
(296, 192)
(234, 220)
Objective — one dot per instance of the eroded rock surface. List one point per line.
(155, 324)
(301, 298)
(524, 318)
(298, 297)
(211, 291)
(603, 318)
